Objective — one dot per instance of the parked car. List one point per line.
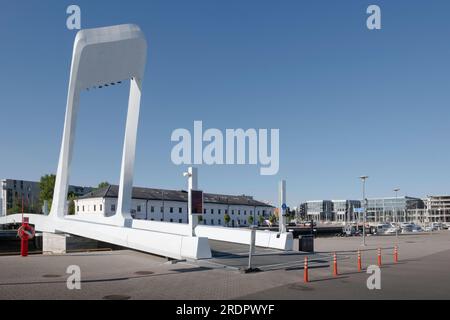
(382, 228)
(393, 229)
(350, 231)
(308, 224)
(407, 227)
(437, 225)
(431, 227)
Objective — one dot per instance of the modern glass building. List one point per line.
(331, 210)
(391, 209)
(319, 210)
(344, 210)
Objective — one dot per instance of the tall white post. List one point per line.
(59, 206)
(282, 207)
(192, 185)
(123, 213)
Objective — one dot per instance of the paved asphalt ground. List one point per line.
(422, 273)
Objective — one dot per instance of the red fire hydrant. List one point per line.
(25, 232)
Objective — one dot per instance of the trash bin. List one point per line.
(306, 243)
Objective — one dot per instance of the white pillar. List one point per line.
(192, 185)
(65, 155)
(123, 213)
(282, 212)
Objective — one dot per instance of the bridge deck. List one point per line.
(235, 256)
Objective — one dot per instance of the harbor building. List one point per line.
(343, 210)
(171, 206)
(14, 193)
(330, 210)
(319, 210)
(436, 209)
(391, 209)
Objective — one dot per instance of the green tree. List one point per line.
(250, 220)
(47, 186)
(272, 218)
(261, 220)
(226, 218)
(71, 199)
(103, 184)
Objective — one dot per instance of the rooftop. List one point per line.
(112, 191)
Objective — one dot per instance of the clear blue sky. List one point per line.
(348, 101)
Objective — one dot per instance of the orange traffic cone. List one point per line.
(305, 270)
(335, 268)
(379, 257)
(359, 261)
(396, 254)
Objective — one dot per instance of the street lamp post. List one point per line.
(396, 212)
(363, 179)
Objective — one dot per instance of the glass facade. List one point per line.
(319, 210)
(344, 209)
(391, 209)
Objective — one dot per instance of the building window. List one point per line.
(245, 222)
(204, 210)
(232, 211)
(239, 212)
(251, 212)
(95, 208)
(101, 207)
(180, 210)
(138, 209)
(171, 209)
(162, 210)
(219, 222)
(180, 221)
(171, 220)
(152, 209)
(113, 207)
(83, 208)
(212, 211)
(219, 211)
(212, 222)
(245, 212)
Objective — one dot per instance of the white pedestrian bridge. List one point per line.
(103, 57)
(162, 238)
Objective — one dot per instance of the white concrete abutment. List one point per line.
(161, 238)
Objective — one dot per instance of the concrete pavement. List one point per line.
(422, 273)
